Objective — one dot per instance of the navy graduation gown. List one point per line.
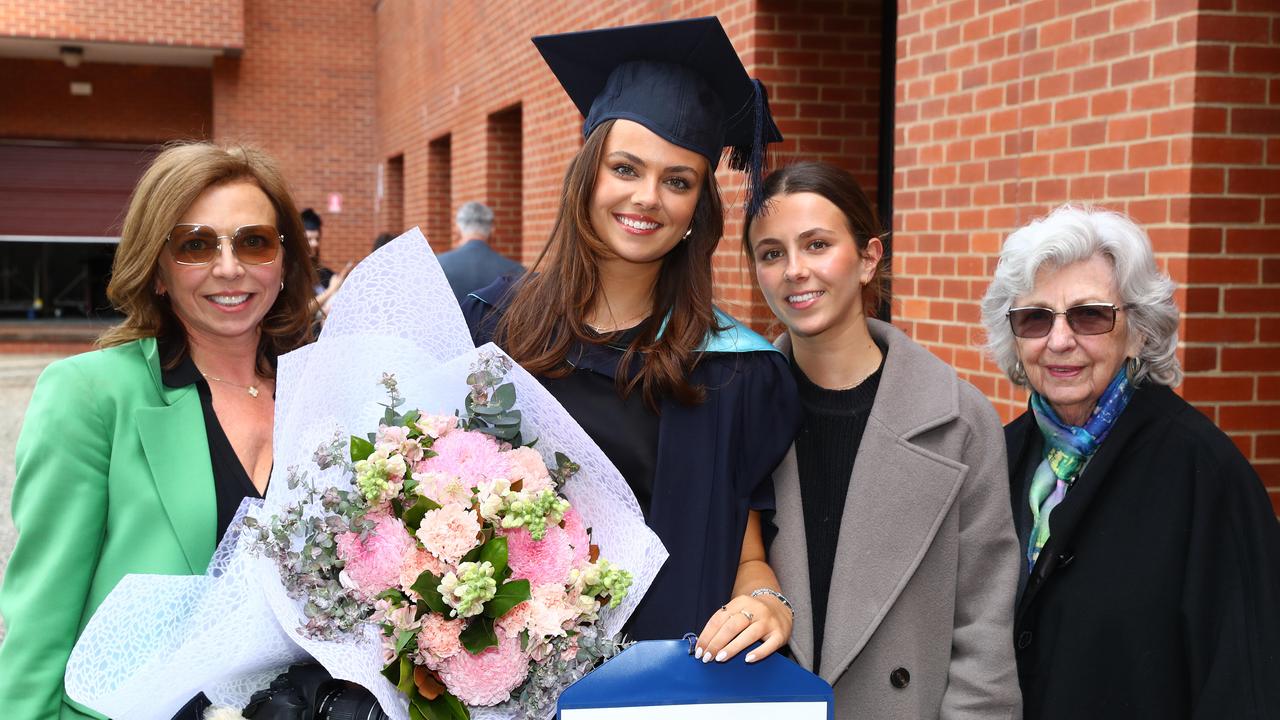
(714, 464)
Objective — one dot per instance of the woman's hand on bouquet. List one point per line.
(742, 622)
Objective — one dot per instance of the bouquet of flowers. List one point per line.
(439, 557)
(457, 542)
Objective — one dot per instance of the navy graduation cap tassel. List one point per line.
(751, 159)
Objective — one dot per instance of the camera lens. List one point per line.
(349, 702)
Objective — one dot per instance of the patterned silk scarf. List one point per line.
(1067, 450)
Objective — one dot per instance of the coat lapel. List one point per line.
(1066, 517)
(176, 445)
(898, 495)
(789, 556)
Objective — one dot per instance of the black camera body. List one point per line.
(307, 691)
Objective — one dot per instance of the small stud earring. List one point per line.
(687, 233)
(281, 284)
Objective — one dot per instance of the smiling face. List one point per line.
(1071, 371)
(225, 299)
(808, 264)
(645, 193)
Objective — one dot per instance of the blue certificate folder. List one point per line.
(659, 678)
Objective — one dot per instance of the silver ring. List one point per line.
(750, 618)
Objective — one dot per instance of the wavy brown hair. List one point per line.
(170, 185)
(547, 313)
(843, 191)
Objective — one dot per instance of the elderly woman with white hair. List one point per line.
(1151, 575)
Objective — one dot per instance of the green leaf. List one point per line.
(495, 552)
(489, 409)
(413, 516)
(390, 417)
(479, 635)
(360, 448)
(473, 555)
(392, 671)
(409, 418)
(391, 594)
(510, 418)
(445, 707)
(509, 595)
(505, 396)
(426, 585)
(402, 640)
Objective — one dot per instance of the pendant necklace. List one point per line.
(251, 389)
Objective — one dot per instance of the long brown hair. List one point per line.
(169, 186)
(843, 191)
(548, 311)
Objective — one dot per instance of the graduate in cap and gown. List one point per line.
(616, 320)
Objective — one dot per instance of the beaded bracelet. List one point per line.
(781, 598)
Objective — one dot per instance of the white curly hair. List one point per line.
(1071, 234)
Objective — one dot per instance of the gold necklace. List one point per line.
(251, 389)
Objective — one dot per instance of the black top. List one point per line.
(712, 464)
(231, 483)
(624, 428)
(1156, 593)
(826, 447)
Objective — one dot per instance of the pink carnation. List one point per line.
(438, 640)
(374, 564)
(449, 532)
(540, 561)
(578, 537)
(472, 456)
(527, 465)
(488, 678)
(416, 561)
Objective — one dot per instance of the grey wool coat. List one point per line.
(920, 618)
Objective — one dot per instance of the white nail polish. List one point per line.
(751, 657)
(722, 656)
(706, 657)
(698, 655)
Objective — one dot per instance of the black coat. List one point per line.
(1158, 592)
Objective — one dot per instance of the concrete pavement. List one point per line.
(18, 375)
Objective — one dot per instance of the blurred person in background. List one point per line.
(473, 264)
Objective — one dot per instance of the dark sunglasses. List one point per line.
(1087, 319)
(200, 244)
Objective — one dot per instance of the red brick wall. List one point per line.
(504, 191)
(304, 91)
(207, 23)
(130, 103)
(1166, 110)
(819, 58)
(439, 225)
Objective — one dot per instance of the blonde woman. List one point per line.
(134, 457)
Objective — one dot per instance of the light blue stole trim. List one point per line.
(735, 338)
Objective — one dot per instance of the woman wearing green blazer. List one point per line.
(133, 457)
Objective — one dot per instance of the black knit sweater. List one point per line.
(825, 450)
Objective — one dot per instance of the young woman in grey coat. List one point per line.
(894, 543)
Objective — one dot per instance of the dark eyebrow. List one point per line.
(637, 161)
(815, 231)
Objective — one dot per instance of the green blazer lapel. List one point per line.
(177, 449)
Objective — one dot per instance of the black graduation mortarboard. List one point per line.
(310, 219)
(680, 79)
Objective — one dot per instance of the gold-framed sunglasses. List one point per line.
(200, 244)
(1086, 319)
